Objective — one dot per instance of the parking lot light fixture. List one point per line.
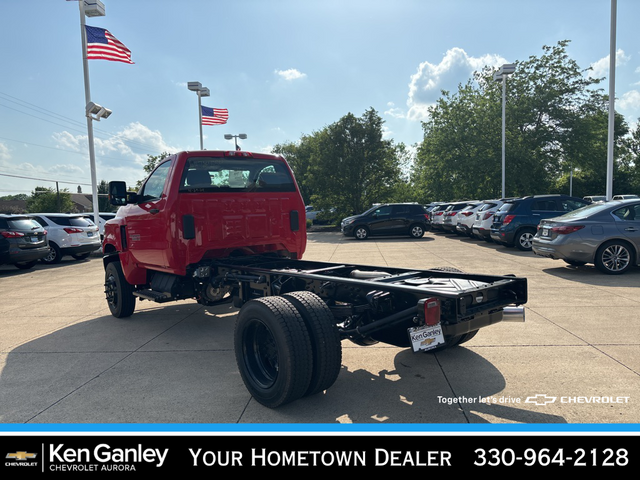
(242, 136)
(202, 92)
(501, 76)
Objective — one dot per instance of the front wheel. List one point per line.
(118, 291)
(361, 233)
(273, 351)
(614, 258)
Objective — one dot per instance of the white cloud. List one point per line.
(600, 68)
(426, 84)
(630, 100)
(133, 142)
(290, 74)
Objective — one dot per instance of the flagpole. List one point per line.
(200, 118)
(87, 94)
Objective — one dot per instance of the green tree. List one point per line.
(553, 118)
(152, 162)
(352, 165)
(45, 199)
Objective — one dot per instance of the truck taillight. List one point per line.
(73, 230)
(508, 219)
(431, 311)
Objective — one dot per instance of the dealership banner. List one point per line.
(413, 453)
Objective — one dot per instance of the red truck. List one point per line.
(219, 226)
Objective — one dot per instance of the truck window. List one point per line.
(154, 186)
(217, 174)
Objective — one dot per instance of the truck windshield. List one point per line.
(218, 174)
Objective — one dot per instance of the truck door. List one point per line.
(148, 232)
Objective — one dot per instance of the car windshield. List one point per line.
(217, 174)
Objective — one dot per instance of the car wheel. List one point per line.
(614, 257)
(25, 265)
(524, 239)
(361, 233)
(118, 291)
(54, 256)
(416, 231)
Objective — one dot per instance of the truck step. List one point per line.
(154, 295)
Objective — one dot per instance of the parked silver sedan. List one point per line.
(604, 234)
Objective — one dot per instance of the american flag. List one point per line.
(101, 45)
(214, 116)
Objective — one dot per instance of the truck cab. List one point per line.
(202, 205)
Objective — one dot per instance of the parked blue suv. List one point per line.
(516, 221)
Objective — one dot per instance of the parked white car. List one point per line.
(481, 227)
(68, 234)
(102, 218)
(465, 218)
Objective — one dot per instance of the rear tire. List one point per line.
(524, 239)
(416, 231)
(614, 257)
(54, 256)
(325, 339)
(118, 291)
(273, 351)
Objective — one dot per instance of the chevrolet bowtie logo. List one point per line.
(21, 455)
(540, 399)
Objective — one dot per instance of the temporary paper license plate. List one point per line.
(425, 337)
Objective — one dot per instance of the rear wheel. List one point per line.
(325, 339)
(54, 256)
(524, 239)
(416, 231)
(273, 351)
(614, 257)
(118, 291)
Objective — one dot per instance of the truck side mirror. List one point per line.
(118, 194)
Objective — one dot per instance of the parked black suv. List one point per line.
(388, 219)
(516, 221)
(23, 241)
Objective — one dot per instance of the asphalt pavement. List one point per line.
(575, 360)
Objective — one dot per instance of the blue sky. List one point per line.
(283, 68)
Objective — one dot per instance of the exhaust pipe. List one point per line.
(513, 314)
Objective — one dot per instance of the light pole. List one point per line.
(228, 136)
(93, 111)
(612, 99)
(501, 76)
(202, 92)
